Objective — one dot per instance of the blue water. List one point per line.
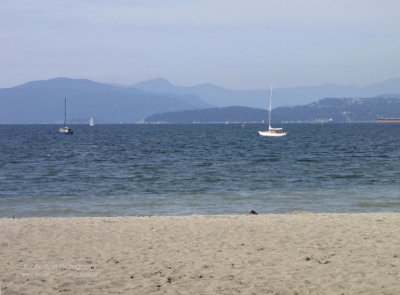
(114, 170)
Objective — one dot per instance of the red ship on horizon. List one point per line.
(388, 120)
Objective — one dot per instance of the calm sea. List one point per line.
(114, 170)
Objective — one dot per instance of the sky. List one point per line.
(241, 44)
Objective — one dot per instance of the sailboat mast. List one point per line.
(270, 108)
(65, 111)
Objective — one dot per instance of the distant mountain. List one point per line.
(258, 98)
(334, 110)
(211, 94)
(341, 110)
(43, 102)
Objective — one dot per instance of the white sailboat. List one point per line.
(272, 132)
(91, 122)
(65, 130)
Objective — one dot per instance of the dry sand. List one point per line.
(264, 254)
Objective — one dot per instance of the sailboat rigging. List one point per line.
(272, 132)
(65, 130)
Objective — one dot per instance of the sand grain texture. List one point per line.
(264, 254)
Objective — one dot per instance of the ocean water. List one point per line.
(113, 170)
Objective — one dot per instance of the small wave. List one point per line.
(39, 212)
(378, 205)
(345, 176)
(306, 160)
(205, 164)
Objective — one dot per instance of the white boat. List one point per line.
(272, 132)
(65, 130)
(91, 122)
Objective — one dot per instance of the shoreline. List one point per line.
(294, 212)
(288, 253)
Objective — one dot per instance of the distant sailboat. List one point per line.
(65, 130)
(272, 132)
(91, 122)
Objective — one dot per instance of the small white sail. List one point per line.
(91, 122)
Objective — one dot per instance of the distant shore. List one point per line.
(299, 253)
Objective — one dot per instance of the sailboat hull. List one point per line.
(65, 131)
(269, 133)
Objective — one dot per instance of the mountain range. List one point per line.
(258, 98)
(335, 110)
(43, 101)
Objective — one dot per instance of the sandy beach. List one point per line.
(303, 253)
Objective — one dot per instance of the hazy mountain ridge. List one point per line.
(211, 94)
(341, 110)
(336, 110)
(43, 102)
(258, 98)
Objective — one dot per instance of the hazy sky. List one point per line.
(236, 44)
